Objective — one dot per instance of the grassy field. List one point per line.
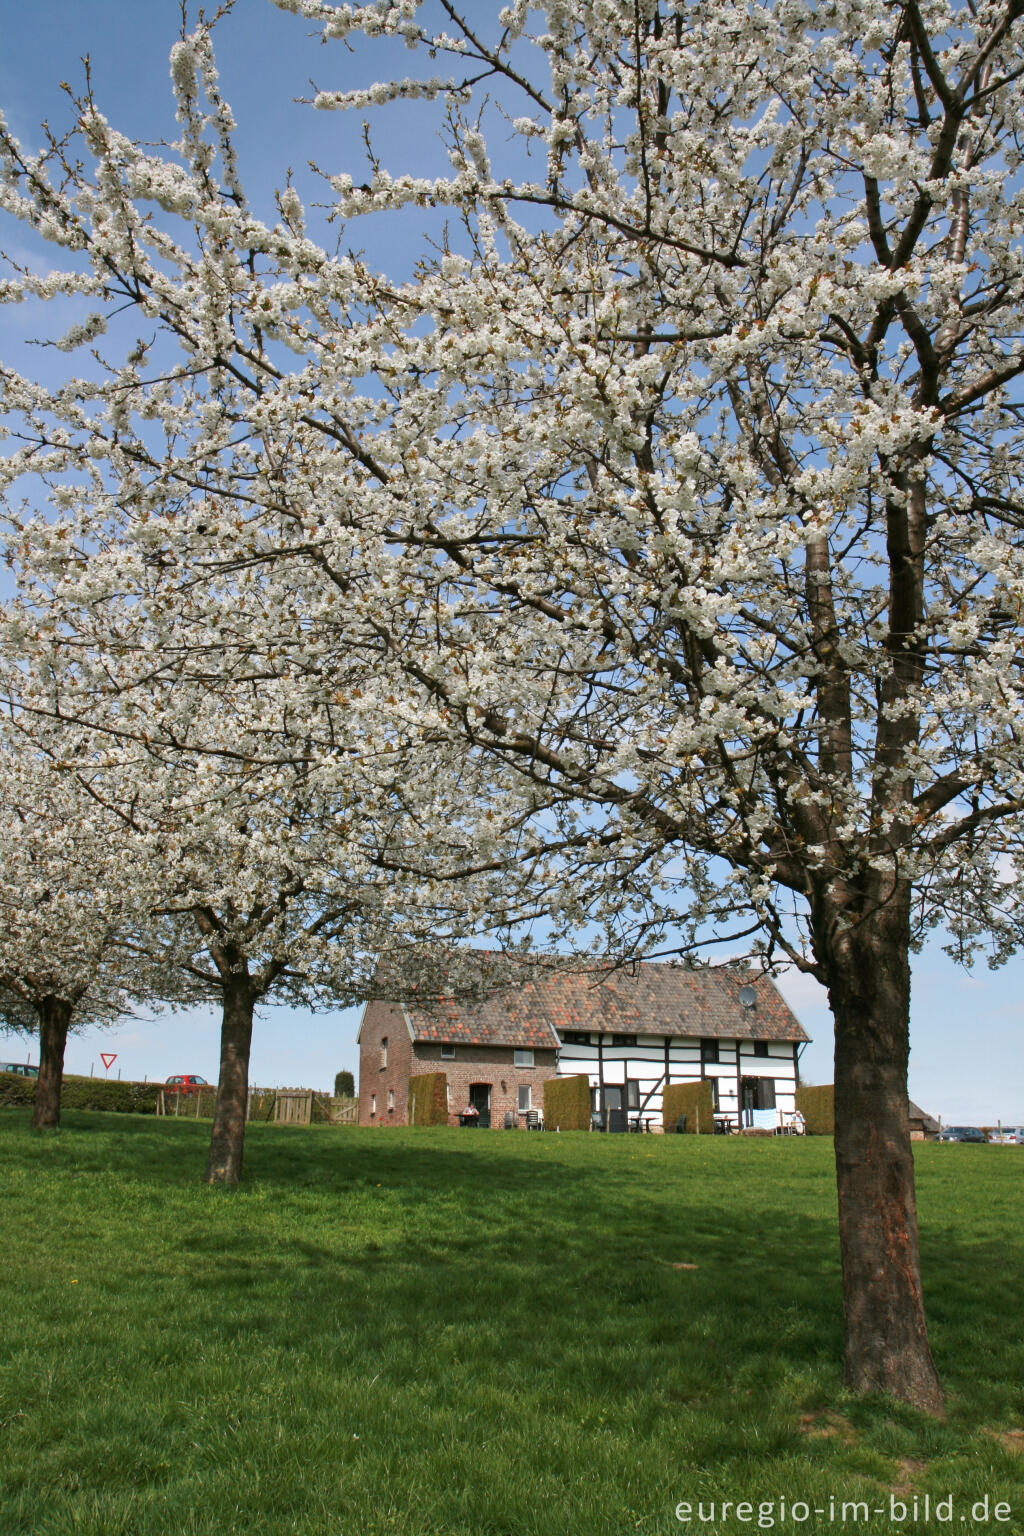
(439, 1332)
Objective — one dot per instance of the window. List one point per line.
(373, 1104)
(525, 1097)
(522, 1059)
(447, 1053)
(632, 1093)
(709, 1050)
(391, 1100)
(575, 1037)
(383, 1052)
(623, 1039)
(760, 1047)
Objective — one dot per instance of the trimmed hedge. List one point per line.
(428, 1099)
(344, 1086)
(695, 1101)
(15, 1089)
(818, 1107)
(86, 1093)
(567, 1104)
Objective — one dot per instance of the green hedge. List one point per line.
(695, 1101)
(428, 1099)
(86, 1093)
(567, 1104)
(818, 1107)
(16, 1090)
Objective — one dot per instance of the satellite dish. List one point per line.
(748, 997)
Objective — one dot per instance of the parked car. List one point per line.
(19, 1068)
(187, 1083)
(961, 1133)
(1010, 1136)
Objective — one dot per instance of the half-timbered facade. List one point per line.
(658, 1024)
(630, 1032)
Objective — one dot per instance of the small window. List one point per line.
(373, 1104)
(575, 1037)
(383, 1052)
(525, 1097)
(623, 1039)
(522, 1059)
(632, 1093)
(391, 1099)
(447, 1053)
(760, 1047)
(709, 1050)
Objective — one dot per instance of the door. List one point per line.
(755, 1093)
(748, 1100)
(615, 1108)
(480, 1098)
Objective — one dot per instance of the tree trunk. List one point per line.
(886, 1339)
(228, 1138)
(54, 1020)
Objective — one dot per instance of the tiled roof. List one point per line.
(651, 999)
(506, 1018)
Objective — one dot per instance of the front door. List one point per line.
(480, 1098)
(615, 1108)
(755, 1093)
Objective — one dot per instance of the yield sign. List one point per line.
(108, 1058)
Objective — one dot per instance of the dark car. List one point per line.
(19, 1068)
(187, 1083)
(962, 1133)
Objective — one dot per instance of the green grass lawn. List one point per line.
(440, 1332)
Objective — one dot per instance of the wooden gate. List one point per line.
(293, 1106)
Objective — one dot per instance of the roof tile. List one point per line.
(648, 999)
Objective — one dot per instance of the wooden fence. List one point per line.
(301, 1106)
(281, 1106)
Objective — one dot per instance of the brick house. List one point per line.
(493, 1054)
(629, 1031)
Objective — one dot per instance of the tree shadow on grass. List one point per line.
(703, 1263)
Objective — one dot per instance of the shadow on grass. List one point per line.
(454, 1333)
(690, 1267)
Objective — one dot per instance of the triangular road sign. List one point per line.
(108, 1058)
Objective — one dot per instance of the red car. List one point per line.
(188, 1083)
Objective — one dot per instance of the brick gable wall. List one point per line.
(380, 1021)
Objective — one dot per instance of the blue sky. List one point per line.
(966, 1062)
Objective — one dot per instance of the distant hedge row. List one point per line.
(85, 1093)
(567, 1104)
(428, 1099)
(818, 1107)
(695, 1101)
